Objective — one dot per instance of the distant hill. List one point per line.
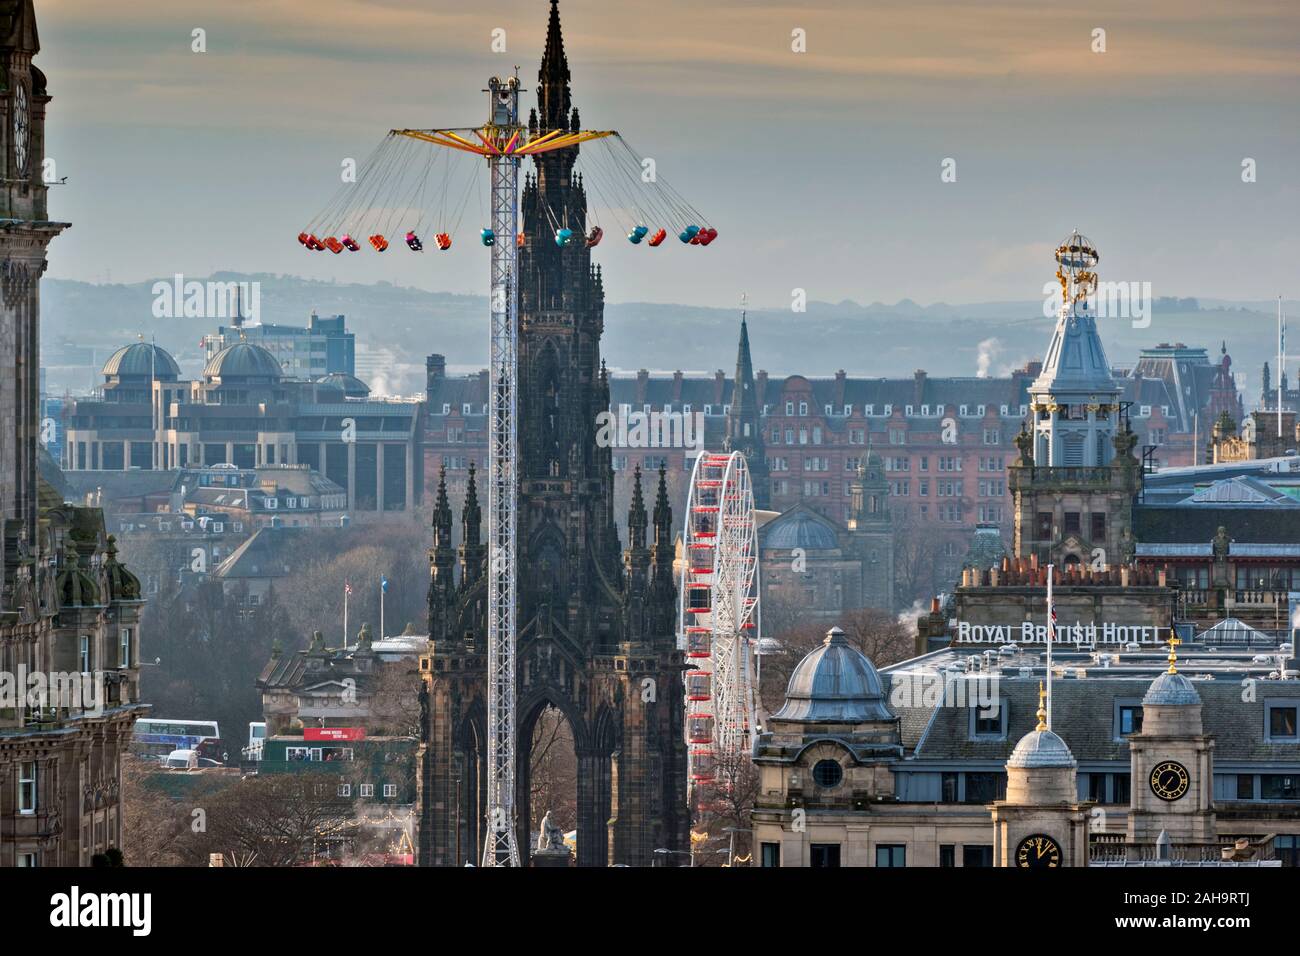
(397, 326)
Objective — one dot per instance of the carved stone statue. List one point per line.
(1127, 547)
(550, 837)
(1221, 543)
(1025, 442)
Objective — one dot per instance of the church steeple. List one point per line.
(744, 428)
(553, 91)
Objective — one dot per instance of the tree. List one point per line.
(395, 701)
(279, 819)
(725, 807)
(153, 824)
(553, 772)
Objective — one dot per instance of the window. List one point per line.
(1122, 783)
(951, 787)
(992, 436)
(980, 854)
(1098, 526)
(27, 787)
(1277, 786)
(1128, 719)
(824, 855)
(1286, 847)
(26, 860)
(1044, 526)
(891, 855)
(367, 790)
(1072, 524)
(1282, 721)
(789, 408)
(345, 790)
(124, 647)
(771, 855)
(1245, 786)
(390, 789)
(989, 722)
(85, 654)
(803, 408)
(947, 854)
(984, 787)
(827, 773)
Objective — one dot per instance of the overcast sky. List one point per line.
(821, 170)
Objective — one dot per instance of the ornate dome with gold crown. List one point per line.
(1041, 748)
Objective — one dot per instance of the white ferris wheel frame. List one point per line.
(723, 480)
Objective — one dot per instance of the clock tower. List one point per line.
(25, 231)
(1172, 765)
(1040, 824)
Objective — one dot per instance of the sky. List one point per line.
(820, 169)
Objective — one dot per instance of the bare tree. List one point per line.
(152, 823)
(395, 700)
(553, 772)
(725, 806)
(279, 819)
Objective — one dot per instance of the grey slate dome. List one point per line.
(352, 386)
(834, 683)
(799, 529)
(1172, 689)
(142, 360)
(243, 360)
(1039, 749)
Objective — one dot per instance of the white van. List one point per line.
(181, 760)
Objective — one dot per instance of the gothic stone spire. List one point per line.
(553, 92)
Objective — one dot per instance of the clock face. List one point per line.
(1169, 780)
(1038, 851)
(21, 128)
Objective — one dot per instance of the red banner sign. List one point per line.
(334, 733)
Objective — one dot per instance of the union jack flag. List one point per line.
(1051, 625)
(347, 587)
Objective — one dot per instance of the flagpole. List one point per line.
(1281, 363)
(382, 590)
(345, 615)
(1051, 636)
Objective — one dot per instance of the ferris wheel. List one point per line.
(719, 619)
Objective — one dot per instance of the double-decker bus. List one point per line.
(158, 737)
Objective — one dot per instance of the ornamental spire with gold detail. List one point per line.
(1173, 643)
(1042, 707)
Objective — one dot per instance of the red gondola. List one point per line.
(333, 245)
(379, 242)
(443, 240)
(351, 244)
(303, 237)
(519, 240)
(594, 237)
(658, 237)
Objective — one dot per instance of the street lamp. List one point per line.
(666, 852)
